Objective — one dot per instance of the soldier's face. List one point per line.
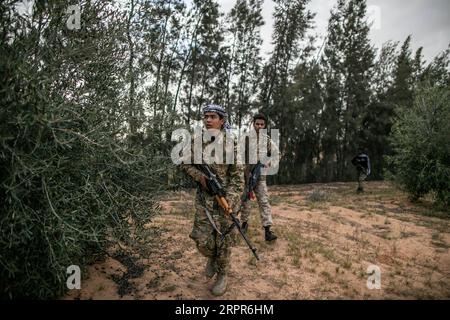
(259, 124)
(213, 121)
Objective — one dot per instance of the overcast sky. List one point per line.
(426, 20)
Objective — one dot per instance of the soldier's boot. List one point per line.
(269, 235)
(360, 185)
(244, 226)
(210, 269)
(220, 287)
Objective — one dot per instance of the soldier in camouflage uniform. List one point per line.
(362, 164)
(261, 193)
(203, 233)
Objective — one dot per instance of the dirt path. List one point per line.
(328, 236)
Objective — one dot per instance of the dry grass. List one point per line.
(328, 236)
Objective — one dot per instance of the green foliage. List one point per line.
(348, 64)
(72, 184)
(421, 145)
(278, 96)
(245, 64)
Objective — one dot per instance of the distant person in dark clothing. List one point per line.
(362, 164)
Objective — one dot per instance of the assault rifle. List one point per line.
(251, 183)
(216, 190)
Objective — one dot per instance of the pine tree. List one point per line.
(245, 63)
(348, 62)
(292, 21)
(378, 122)
(436, 73)
(401, 93)
(204, 49)
(306, 103)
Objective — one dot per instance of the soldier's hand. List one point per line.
(203, 183)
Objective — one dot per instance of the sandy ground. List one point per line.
(328, 237)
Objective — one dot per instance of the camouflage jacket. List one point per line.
(231, 176)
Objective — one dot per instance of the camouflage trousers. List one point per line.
(206, 238)
(262, 196)
(361, 177)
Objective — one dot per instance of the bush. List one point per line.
(71, 181)
(421, 145)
